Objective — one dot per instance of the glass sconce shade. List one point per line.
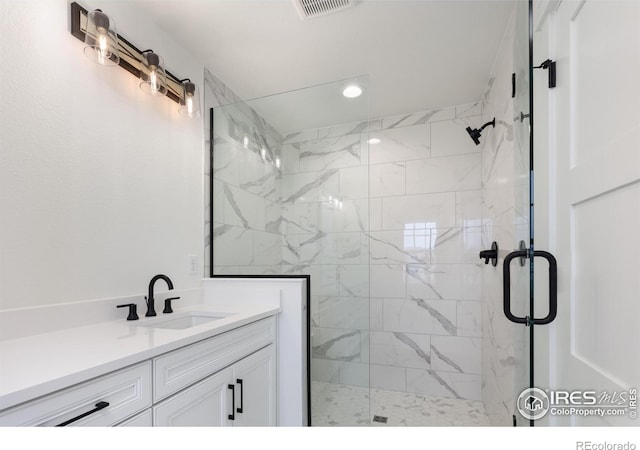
(101, 39)
(190, 101)
(153, 78)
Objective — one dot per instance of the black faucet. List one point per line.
(151, 310)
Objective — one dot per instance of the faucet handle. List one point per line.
(133, 310)
(167, 305)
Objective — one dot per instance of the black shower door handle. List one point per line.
(553, 287)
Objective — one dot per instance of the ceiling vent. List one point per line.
(309, 9)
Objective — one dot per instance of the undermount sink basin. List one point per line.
(182, 321)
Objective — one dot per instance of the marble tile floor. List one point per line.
(342, 405)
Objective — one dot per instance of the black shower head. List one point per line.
(477, 133)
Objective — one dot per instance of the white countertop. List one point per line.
(37, 365)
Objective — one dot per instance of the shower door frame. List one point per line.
(529, 254)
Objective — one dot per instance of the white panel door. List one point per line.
(255, 392)
(205, 404)
(595, 231)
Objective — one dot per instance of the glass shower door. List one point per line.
(519, 303)
(290, 197)
(517, 266)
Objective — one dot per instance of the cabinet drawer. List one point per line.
(127, 391)
(180, 368)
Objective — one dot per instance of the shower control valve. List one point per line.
(490, 254)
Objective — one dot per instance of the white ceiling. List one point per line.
(419, 54)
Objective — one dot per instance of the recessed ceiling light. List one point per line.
(374, 141)
(352, 91)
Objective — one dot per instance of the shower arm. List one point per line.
(492, 123)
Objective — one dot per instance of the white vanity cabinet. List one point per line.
(238, 380)
(224, 380)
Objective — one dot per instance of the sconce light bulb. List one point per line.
(277, 162)
(263, 153)
(102, 48)
(246, 142)
(190, 105)
(153, 80)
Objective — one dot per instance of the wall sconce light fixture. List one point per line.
(153, 79)
(101, 39)
(104, 46)
(190, 101)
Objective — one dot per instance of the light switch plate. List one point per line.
(193, 265)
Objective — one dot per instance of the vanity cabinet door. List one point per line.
(205, 404)
(255, 391)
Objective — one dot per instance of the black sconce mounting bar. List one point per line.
(130, 55)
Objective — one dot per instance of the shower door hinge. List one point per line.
(551, 66)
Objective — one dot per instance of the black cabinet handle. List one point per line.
(239, 381)
(232, 416)
(553, 287)
(99, 406)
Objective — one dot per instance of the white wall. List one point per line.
(100, 184)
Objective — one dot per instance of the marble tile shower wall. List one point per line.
(325, 221)
(246, 188)
(389, 233)
(397, 222)
(216, 93)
